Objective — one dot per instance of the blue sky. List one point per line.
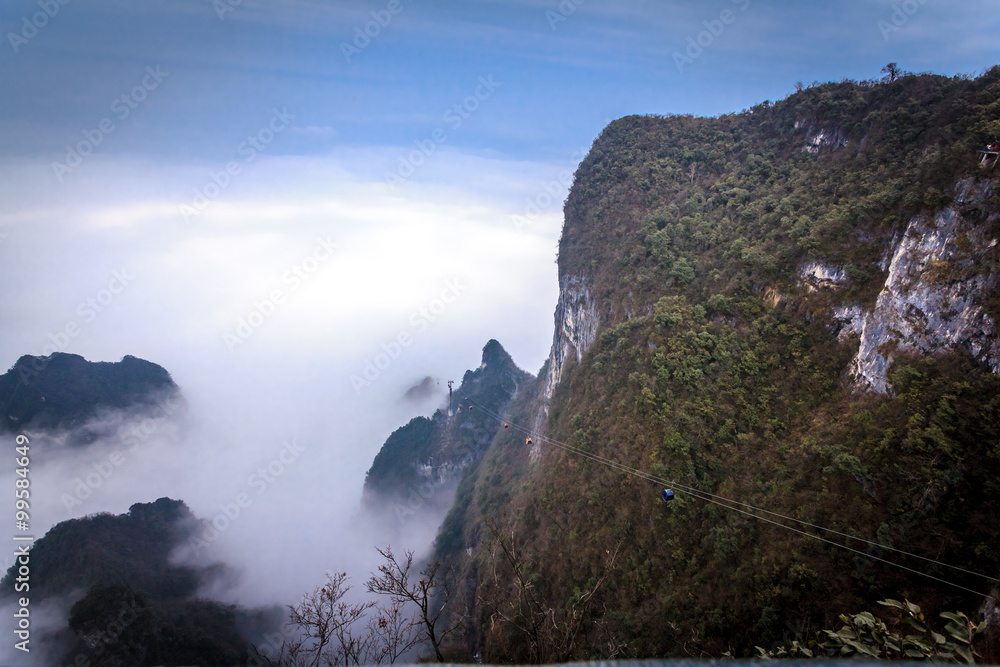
(561, 81)
(207, 157)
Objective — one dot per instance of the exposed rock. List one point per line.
(817, 276)
(932, 298)
(848, 321)
(773, 298)
(831, 138)
(576, 328)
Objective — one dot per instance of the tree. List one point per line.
(549, 635)
(115, 623)
(393, 633)
(327, 630)
(891, 71)
(432, 595)
(326, 626)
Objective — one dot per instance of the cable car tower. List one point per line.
(450, 413)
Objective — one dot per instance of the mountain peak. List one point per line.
(493, 353)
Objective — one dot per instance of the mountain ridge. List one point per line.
(62, 391)
(718, 276)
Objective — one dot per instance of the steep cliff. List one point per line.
(791, 307)
(576, 328)
(934, 295)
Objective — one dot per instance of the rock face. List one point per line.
(824, 137)
(933, 297)
(576, 328)
(818, 276)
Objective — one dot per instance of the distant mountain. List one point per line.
(423, 390)
(429, 454)
(117, 569)
(63, 391)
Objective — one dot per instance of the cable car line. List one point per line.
(736, 505)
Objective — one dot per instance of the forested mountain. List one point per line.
(62, 391)
(419, 465)
(132, 604)
(793, 307)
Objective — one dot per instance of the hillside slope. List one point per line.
(793, 307)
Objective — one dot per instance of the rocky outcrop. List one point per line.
(818, 276)
(933, 296)
(824, 137)
(576, 328)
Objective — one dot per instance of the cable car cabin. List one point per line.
(991, 150)
(527, 441)
(666, 495)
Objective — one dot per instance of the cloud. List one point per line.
(190, 284)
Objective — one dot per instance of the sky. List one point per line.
(272, 198)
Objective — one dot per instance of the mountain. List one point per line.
(419, 465)
(118, 572)
(793, 308)
(63, 391)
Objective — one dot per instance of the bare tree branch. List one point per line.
(431, 594)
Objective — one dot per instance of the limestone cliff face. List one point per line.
(933, 296)
(576, 327)
(820, 138)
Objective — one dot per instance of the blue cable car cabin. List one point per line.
(667, 495)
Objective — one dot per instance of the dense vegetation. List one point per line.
(715, 367)
(434, 451)
(65, 390)
(132, 604)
